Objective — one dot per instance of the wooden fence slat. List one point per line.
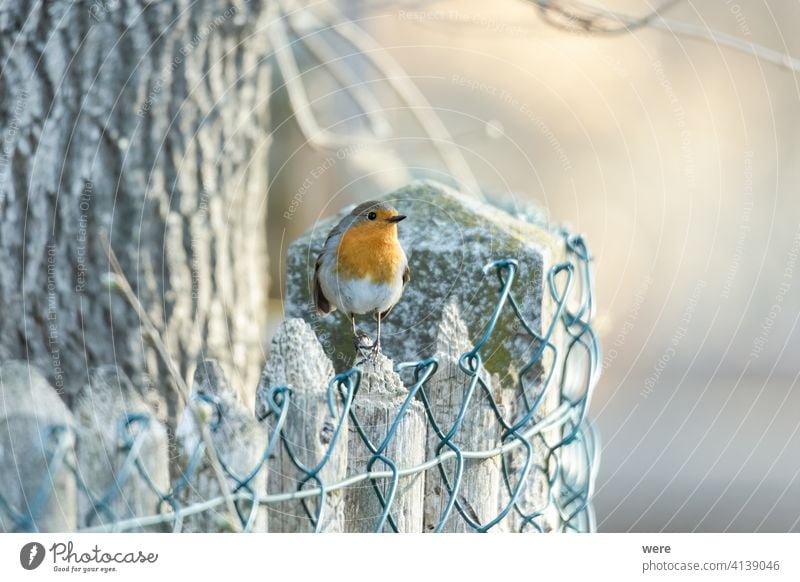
(376, 406)
(479, 493)
(297, 360)
(534, 497)
(29, 405)
(115, 481)
(239, 440)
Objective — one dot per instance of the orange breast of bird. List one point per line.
(369, 252)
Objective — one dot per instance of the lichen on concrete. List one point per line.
(449, 237)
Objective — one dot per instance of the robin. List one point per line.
(362, 267)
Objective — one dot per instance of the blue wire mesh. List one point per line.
(569, 462)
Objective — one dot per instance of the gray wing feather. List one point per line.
(322, 303)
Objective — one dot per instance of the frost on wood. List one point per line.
(480, 492)
(28, 407)
(239, 440)
(107, 446)
(449, 237)
(298, 362)
(377, 405)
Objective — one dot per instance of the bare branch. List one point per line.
(332, 21)
(122, 283)
(759, 51)
(579, 17)
(576, 16)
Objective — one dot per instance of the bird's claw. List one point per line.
(365, 346)
(361, 341)
(374, 351)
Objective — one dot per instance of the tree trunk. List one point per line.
(147, 120)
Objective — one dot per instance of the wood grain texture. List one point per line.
(479, 493)
(297, 360)
(239, 440)
(535, 495)
(376, 406)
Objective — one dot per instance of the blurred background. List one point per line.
(677, 156)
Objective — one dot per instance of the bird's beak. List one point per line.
(397, 218)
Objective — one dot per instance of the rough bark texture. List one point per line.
(240, 442)
(297, 360)
(147, 120)
(479, 493)
(29, 407)
(376, 406)
(104, 459)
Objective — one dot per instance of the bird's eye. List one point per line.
(372, 216)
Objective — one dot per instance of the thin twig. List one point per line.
(316, 136)
(179, 383)
(731, 41)
(392, 72)
(408, 92)
(325, 53)
(576, 16)
(579, 17)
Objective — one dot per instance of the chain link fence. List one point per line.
(541, 468)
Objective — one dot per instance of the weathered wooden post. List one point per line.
(36, 438)
(479, 493)
(377, 407)
(540, 382)
(120, 446)
(298, 362)
(240, 442)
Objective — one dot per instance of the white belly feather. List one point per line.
(359, 296)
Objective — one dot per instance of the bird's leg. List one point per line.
(376, 345)
(359, 336)
(356, 337)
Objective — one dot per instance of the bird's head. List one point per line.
(375, 217)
